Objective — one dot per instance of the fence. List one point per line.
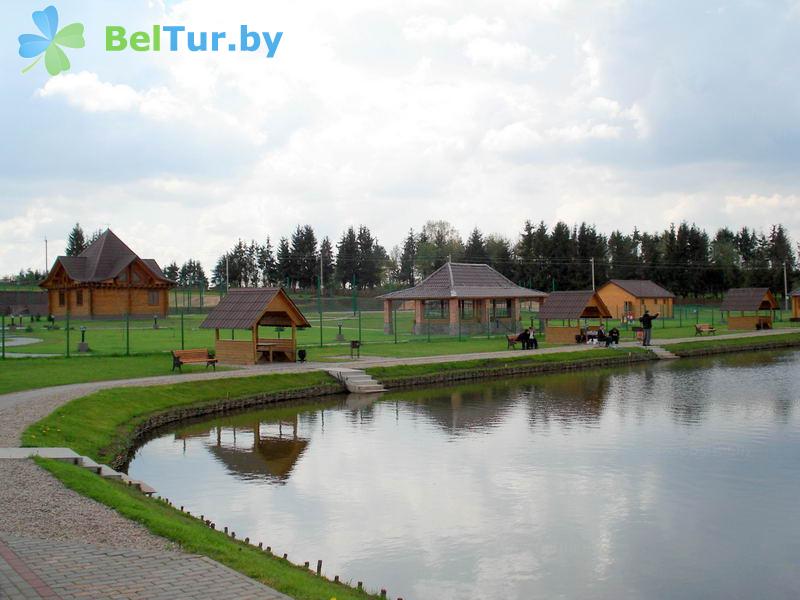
(335, 321)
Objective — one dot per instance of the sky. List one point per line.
(618, 113)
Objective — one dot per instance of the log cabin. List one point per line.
(107, 280)
(631, 297)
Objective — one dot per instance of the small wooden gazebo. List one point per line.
(248, 309)
(759, 303)
(796, 304)
(570, 306)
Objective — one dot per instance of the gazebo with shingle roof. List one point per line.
(758, 302)
(248, 309)
(462, 297)
(570, 306)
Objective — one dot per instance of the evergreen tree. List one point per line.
(171, 271)
(407, 260)
(562, 255)
(623, 256)
(346, 258)
(326, 257)
(304, 268)
(76, 242)
(267, 265)
(370, 259)
(283, 259)
(498, 249)
(475, 250)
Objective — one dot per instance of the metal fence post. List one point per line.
(67, 331)
(3, 336)
(319, 308)
(359, 325)
(127, 334)
(395, 325)
(183, 335)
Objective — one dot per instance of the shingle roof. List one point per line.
(749, 299)
(104, 259)
(243, 308)
(464, 280)
(796, 293)
(642, 288)
(573, 305)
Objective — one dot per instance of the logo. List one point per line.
(50, 42)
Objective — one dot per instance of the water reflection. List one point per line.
(658, 481)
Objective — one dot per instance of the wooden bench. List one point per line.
(704, 328)
(513, 341)
(197, 356)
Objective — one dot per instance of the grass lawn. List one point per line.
(197, 538)
(100, 425)
(706, 343)
(384, 373)
(28, 373)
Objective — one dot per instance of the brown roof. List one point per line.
(464, 280)
(641, 288)
(573, 305)
(243, 308)
(104, 259)
(749, 299)
(796, 293)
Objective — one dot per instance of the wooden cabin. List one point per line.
(796, 304)
(571, 306)
(758, 303)
(631, 297)
(249, 309)
(462, 298)
(107, 280)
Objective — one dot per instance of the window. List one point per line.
(467, 309)
(437, 309)
(152, 298)
(62, 299)
(79, 297)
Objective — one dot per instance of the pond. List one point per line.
(670, 480)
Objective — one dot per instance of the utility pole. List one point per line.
(592, 259)
(46, 259)
(785, 287)
(321, 275)
(227, 276)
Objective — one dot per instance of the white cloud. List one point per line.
(495, 54)
(85, 91)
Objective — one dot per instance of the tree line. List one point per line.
(683, 258)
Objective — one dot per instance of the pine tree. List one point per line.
(498, 249)
(267, 265)
(346, 258)
(171, 271)
(283, 259)
(326, 258)
(407, 260)
(475, 250)
(76, 242)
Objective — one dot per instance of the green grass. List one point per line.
(404, 371)
(710, 342)
(101, 424)
(29, 373)
(194, 537)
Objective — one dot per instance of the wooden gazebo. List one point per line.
(758, 303)
(248, 309)
(570, 306)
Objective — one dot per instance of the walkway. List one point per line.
(31, 569)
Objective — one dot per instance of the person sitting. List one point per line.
(613, 337)
(533, 343)
(524, 339)
(601, 336)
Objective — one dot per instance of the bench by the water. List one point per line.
(704, 328)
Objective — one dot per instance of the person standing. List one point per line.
(533, 343)
(647, 326)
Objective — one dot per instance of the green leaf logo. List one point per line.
(50, 42)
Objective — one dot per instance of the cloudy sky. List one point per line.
(392, 113)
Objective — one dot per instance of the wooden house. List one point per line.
(796, 304)
(570, 306)
(107, 280)
(19, 303)
(631, 297)
(462, 298)
(758, 303)
(249, 309)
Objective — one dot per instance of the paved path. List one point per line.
(31, 569)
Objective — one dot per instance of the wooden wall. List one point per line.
(796, 307)
(560, 335)
(109, 302)
(747, 321)
(614, 297)
(235, 352)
